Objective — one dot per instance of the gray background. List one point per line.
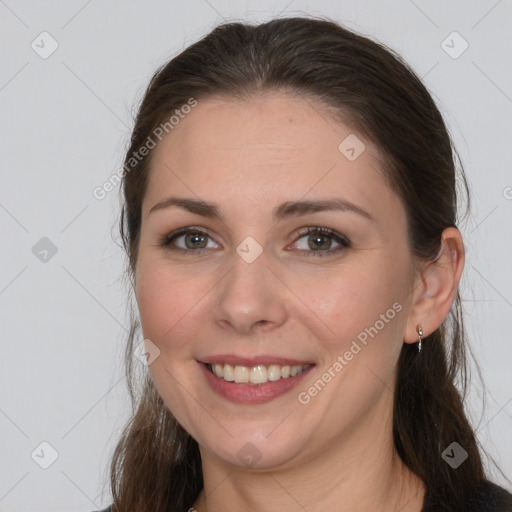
(65, 121)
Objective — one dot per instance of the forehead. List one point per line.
(269, 148)
(268, 125)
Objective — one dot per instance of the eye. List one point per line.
(319, 242)
(193, 240)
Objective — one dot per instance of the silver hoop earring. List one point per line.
(420, 334)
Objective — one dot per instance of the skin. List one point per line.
(336, 452)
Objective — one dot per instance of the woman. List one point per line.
(290, 219)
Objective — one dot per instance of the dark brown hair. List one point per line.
(156, 465)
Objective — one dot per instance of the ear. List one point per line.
(435, 287)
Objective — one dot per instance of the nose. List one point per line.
(251, 298)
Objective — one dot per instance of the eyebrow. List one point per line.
(287, 209)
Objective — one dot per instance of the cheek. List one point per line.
(347, 303)
(365, 316)
(167, 302)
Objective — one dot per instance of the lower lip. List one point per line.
(251, 393)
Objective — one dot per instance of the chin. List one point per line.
(252, 447)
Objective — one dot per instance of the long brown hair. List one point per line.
(156, 465)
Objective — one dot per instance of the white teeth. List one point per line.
(258, 374)
(274, 372)
(226, 372)
(217, 369)
(241, 374)
(295, 370)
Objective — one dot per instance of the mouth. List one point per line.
(253, 381)
(257, 374)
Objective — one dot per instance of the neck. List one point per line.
(360, 471)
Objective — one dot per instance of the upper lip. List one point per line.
(265, 360)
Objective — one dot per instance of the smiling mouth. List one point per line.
(255, 375)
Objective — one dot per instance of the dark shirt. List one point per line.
(489, 497)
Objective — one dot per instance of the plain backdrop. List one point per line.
(71, 76)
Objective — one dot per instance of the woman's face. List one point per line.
(245, 286)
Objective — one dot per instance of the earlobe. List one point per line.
(436, 287)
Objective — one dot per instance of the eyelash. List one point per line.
(343, 242)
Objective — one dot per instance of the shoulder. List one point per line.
(491, 497)
(488, 497)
